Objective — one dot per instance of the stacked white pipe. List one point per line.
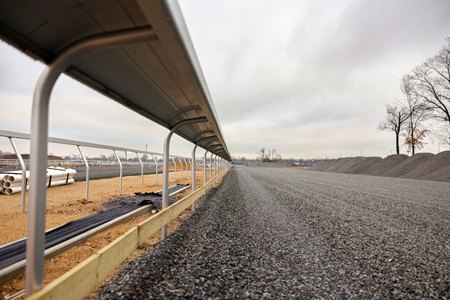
(11, 182)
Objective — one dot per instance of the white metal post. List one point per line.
(175, 167)
(142, 169)
(186, 164)
(86, 164)
(181, 167)
(24, 174)
(120, 168)
(165, 197)
(193, 172)
(210, 166)
(34, 271)
(215, 166)
(204, 167)
(156, 167)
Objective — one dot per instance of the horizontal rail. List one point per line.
(78, 282)
(25, 136)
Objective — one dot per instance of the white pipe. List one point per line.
(16, 176)
(12, 177)
(17, 189)
(7, 184)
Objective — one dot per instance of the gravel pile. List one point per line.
(416, 161)
(363, 165)
(386, 164)
(321, 165)
(285, 233)
(350, 163)
(338, 163)
(420, 166)
(437, 165)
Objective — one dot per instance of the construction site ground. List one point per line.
(66, 203)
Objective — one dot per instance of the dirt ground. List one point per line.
(66, 203)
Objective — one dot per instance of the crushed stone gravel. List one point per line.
(279, 233)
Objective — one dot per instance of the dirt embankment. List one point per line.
(66, 203)
(426, 166)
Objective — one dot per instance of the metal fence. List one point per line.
(183, 163)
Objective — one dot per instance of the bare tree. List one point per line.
(396, 119)
(417, 114)
(262, 154)
(430, 83)
(273, 154)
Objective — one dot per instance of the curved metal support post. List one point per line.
(215, 166)
(193, 173)
(165, 197)
(175, 167)
(24, 174)
(34, 273)
(186, 164)
(86, 164)
(156, 168)
(142, 169)
(204, 167)
(120, 169)
(210, 165)
(181, 167)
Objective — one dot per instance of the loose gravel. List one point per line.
(282, 233)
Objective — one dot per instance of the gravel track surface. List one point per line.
(284, 233)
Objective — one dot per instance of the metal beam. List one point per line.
(86, 164)
(120, 169)
(156, 167)
(210, 165)
(193, 172)
(24, 174)
(25, 136)
(142, 169)
(204, 167)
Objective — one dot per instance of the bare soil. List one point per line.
(66, 203)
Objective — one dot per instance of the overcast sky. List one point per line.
(309, 78)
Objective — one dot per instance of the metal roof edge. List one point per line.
(172, 9)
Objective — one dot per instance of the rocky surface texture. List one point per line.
(282, 233)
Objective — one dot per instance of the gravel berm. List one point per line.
(282, 233)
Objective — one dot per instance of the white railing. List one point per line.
(20, 163)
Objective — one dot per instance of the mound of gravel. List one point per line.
(349, 163)
(363, 165)
(436, 168)
(416, 161)
(425, 166)
(337, 164)
(441, 174)
(322, 165)
(386, 164)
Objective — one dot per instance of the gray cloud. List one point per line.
(309, 78)
(322, 70)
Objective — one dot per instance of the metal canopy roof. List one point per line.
(160, 79)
